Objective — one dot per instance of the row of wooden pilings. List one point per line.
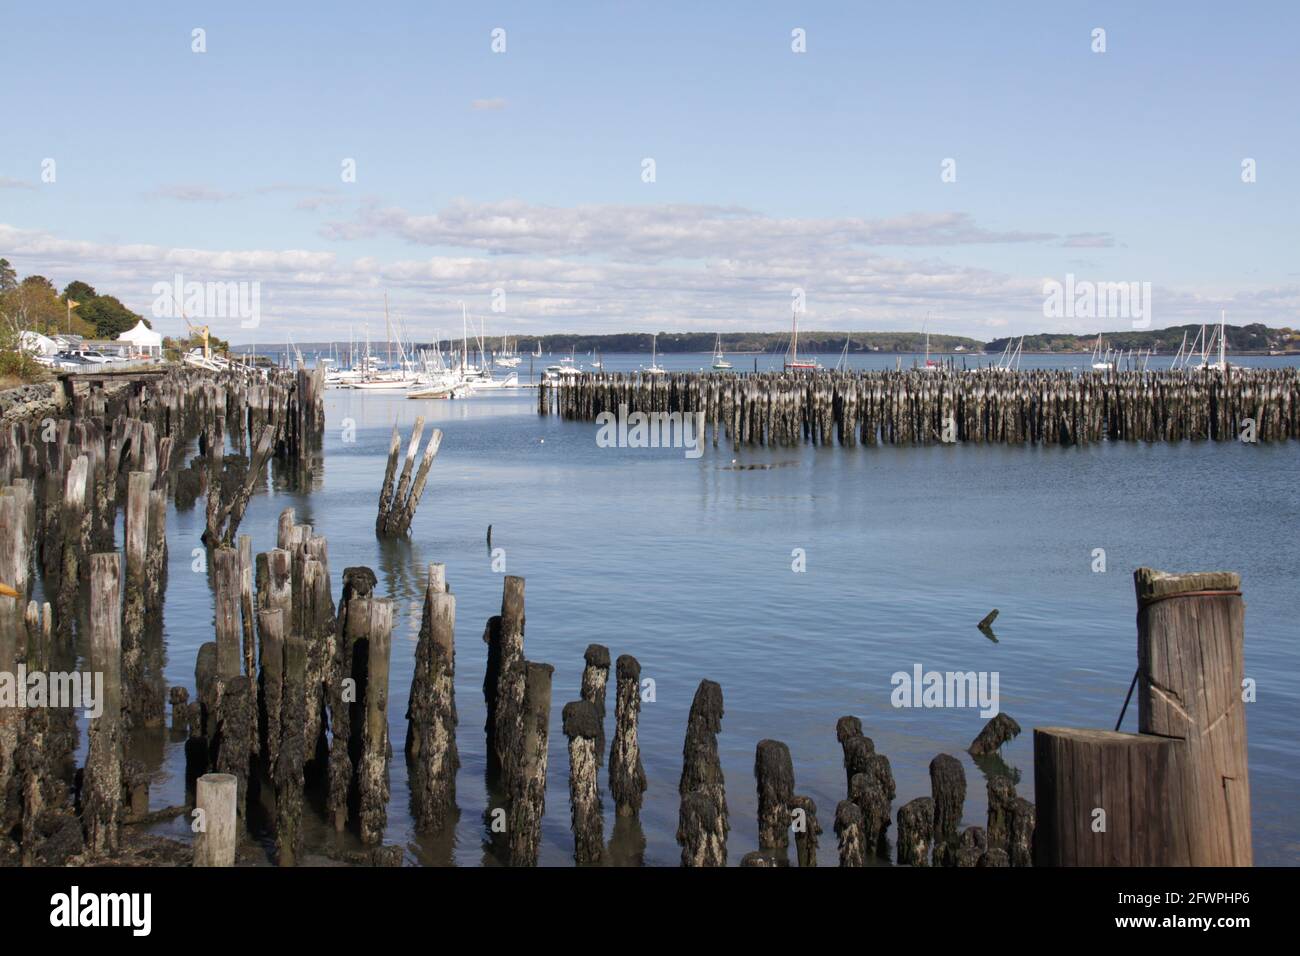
(292, 698)
(1051, 407)
(63, 481)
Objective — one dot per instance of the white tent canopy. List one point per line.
(142, 338)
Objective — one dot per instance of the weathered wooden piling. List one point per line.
(217, 798)
(103, 785)
(1177, 792)
(581, 723)
(806, 828)
(507, 673)
(774, 772)
(851, 831)
(703, 825)
(225, 564)
(867, 791)
(372, 769)
(431, 754)
(1039, 406)
(15, 543)
(595, 678)
(291, 754)
(915, 832)
(529, 759)
(971, 845)
(1001, 808)
(948, 790)
(627, 780)
(347, 691)
(397, 509)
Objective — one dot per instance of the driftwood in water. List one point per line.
(996, 732)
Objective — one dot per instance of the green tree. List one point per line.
(108, 315)
(8, 277)
(79, 291)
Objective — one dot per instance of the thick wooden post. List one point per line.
(102, 811)
(1108, 799)
(528, 774)
(1190, 668)
(431, 754)
(1175, 794)
(581, 725)
(217, 797)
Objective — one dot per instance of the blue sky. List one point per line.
(522, 170)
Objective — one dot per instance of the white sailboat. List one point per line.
(507, 357)
(719, 360)
(1101, 362)
(1222, 363)
(792, 360)
(655, 368)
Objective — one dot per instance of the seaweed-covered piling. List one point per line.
(581, 723)
(595, 678)
(774, 772)
(431, 754)
(948, 789)
(528, 763)
(851, 831)
(866, 791)
(627, 780)
(915, 832)
(702, 825)
(806, 829)
(999, 729)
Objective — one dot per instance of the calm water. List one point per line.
(687, 565)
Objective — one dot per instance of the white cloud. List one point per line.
(606, 269)
(649, 232)
(492, 104)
